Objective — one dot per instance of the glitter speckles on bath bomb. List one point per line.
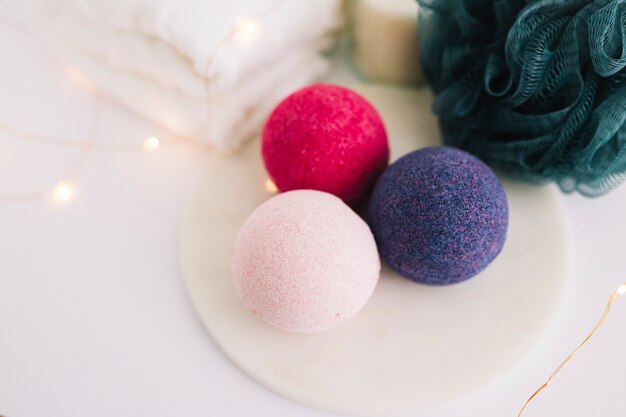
(439, 215)
(328, 138)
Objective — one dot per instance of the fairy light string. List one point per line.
(245, 31)
(62, 190)
(621, 290)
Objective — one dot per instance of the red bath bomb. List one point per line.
(327, 138)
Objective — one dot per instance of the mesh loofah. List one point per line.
(534, 87)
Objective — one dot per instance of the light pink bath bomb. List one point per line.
(305, 262)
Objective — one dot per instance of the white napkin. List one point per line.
(158, 57)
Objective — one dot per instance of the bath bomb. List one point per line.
(439, 215)
(305, 262)
(327, 138)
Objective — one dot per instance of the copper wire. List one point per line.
(85, 149)
(612, 298)
(91, 145)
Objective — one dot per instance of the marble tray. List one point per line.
(412, 347)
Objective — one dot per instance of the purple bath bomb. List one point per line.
(439, 215)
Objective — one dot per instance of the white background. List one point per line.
(94, 319)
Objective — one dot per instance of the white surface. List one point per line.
(412, 347)
(94, 320)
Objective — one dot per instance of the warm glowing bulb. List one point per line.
(247, 29)
(151, 144)
(78, 78)
(63, 191)
(621, 290)
(270, 186)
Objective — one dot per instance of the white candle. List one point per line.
(385, 43)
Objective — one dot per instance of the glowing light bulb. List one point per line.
(247, 29)
(151, 144)
(78, 78)
(621, 290)
(63, 191)
(270, 186)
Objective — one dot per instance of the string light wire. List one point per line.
(246, 30)
(621, 290)
(62, 190)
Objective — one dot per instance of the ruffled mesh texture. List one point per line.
(536, 88)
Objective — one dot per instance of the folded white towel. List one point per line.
(226, 120)
(158, 57)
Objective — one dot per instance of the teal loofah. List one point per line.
(534, 87)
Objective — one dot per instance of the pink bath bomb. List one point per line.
(327, 138)
(305, 262)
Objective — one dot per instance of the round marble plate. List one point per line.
(412, 347)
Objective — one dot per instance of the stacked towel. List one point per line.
(211, 69)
